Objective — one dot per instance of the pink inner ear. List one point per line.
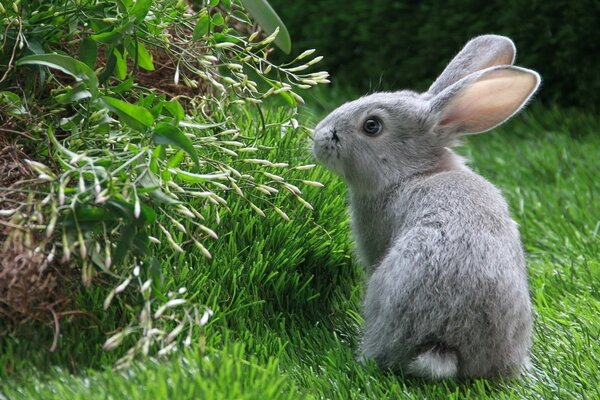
(489, 101)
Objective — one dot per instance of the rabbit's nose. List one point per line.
(334, 136)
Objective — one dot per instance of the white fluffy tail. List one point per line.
(434, 364)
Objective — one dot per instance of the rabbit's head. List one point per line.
(383, 138)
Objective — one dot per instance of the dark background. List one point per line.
(390, 45)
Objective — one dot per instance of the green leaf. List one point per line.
(148, 214)
(93, 214)
(35, 46)
(199, 178)
(136, 117)
(110, 37)
(88, 52)
(288, 98)
(217, 20)
(144, 58)
(149, 181)
(127, 211)
(201, 27)
(154, 271)
(121, 66)
(124, 86)
(165, 133)
(268, 19)
(201, 126)
(224, 36)
(74, 95)
(124, 4)
(175, 109)
(109, 68)
(78, 70)
(10, 97)
(175, 159)
(115, 35)
(140, 243)
(128, 232)
(140, 9)
(11, 104)
(124, 209)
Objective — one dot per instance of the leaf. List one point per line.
(268, 19)
(148, 214)
(200, 126)
(136, 117)
(121, 66)
(74, 95)
(148, 180)
(78, 70)
(140, 243)
(289, 99)
(139, 54)
(165, 133)
(127, 211)
(217, 20)
(128, 232)
(109, 68)
(140, 9)
(175, 109)
(110, 37)
(12, 104)
(10, 97)
(123, 86)
(115, 35)
(199, 178)
(154, 271)
(93, 214)
(162, 197)
(144, 58)
(175, 159)
(88, 52)
(34, 45)
(124, 209)
(201, 27)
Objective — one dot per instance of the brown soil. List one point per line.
(32, 286)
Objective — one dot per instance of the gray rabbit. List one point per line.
(447, 292)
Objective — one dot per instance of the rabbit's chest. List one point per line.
(372, 230)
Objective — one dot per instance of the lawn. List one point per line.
(286, 295)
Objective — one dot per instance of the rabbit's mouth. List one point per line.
(327, 148)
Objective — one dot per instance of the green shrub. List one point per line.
(405, 44)
(139, 120)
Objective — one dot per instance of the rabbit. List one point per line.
(447, 291)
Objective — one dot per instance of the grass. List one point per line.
(286, 295)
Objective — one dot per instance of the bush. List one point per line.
(402, 44)
(129, 125)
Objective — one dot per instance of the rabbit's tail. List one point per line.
(434, 364)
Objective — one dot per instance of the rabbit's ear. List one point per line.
(484, 99)
(479, 53)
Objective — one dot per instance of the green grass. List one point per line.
(286, 295)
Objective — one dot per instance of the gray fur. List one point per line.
(482, 52)
(447, 291)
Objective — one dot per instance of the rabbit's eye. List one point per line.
(372, 126)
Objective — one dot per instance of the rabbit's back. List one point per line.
(458, 202)
(452, 275)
